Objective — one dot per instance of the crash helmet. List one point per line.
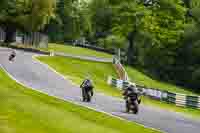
(133, 87)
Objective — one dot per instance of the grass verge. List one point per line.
(77, 51)
(24, 110)
(140, 78)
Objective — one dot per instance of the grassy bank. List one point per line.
(142, 79)
(77, 51)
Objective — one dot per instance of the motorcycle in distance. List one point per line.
(87, 90)
(132, 99)
(12, 56)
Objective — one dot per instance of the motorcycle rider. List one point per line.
(131, 95)
(12, 56)
(87, 90)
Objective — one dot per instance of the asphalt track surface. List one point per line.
(26, 70)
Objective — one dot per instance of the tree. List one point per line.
(69, 20)
(127, 23)
(165, 27)
(98, 18)
(187, 3)
(187, 61)
(28, 15)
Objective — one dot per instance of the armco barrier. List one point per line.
(169, 97)
(180, 100)
(117, 83)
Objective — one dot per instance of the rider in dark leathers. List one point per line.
(87, 90)
(12, 56)
(132, 99)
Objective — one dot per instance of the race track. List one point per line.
(39, 77)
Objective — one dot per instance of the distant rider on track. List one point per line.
(12, 56)
(87, 90)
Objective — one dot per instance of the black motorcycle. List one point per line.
(87, 91)
(12, 56)
(87, 94)
(132, 100)
(132, 105)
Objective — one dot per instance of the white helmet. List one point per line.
(132, 85)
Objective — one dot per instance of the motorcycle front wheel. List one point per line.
(136, 107)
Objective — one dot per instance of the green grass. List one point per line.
(142, 79)
(26, 111)
(76, 70)
(77, 51)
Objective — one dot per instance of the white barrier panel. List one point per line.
(199, 102)
(52, 54)
(180, 100)
(18, 39)
(154, 93)
(164, 95)
(109, 80)
(120, 84)
(159, 94)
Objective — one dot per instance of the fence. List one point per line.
(34, 39)
(120, 69)
(120, 84)
(169, 97)
(85, 44)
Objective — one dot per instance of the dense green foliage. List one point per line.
(162, 37)
(26, 15)
(62, 25)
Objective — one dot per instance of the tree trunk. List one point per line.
(10, 34)
(130, 52)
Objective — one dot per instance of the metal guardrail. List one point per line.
(165, 96)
